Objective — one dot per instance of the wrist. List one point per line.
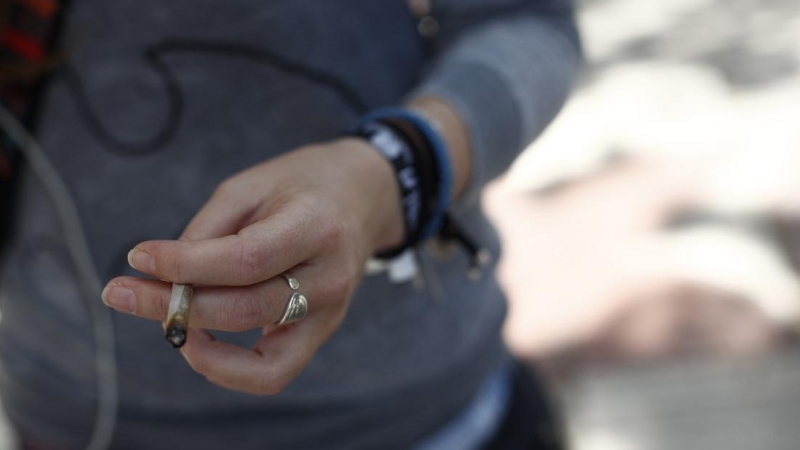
(376, 194)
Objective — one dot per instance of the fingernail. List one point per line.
(120, 298)
(141, 261)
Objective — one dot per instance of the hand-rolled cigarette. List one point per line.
(177, 324)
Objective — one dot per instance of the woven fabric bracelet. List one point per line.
(436, 146)
(400, 154)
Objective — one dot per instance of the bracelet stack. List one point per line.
(421, 162)
(421, 166)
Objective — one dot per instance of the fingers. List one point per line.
(217, 308)
(268, 368)
(282, 352)
(223, 214)
(257, 253)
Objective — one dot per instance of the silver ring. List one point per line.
(297, 307)
(293, 283)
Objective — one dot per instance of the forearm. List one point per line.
(454, 131)
(504, 79)
(488, 96)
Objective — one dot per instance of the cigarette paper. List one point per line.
(177, 323)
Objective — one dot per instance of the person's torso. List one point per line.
(142, 139)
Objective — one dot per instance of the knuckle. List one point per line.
(272, 384)
(333, 230)
(225, 189)
(242, 314)
(328, 221)
(198, 363)
(252, 262)
(219, 381)
(158, 307)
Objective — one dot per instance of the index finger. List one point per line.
(257, 253)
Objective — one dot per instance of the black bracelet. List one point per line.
(429, 176)
(404, 160)
(429, 143)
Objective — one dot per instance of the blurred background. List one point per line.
(652, 235)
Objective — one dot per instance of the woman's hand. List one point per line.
(319, 212)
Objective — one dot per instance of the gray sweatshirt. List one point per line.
(404, 361)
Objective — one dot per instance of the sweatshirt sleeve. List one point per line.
(507, 70)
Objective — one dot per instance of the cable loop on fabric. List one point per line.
(155, 55)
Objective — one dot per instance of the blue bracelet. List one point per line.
(440, 153)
